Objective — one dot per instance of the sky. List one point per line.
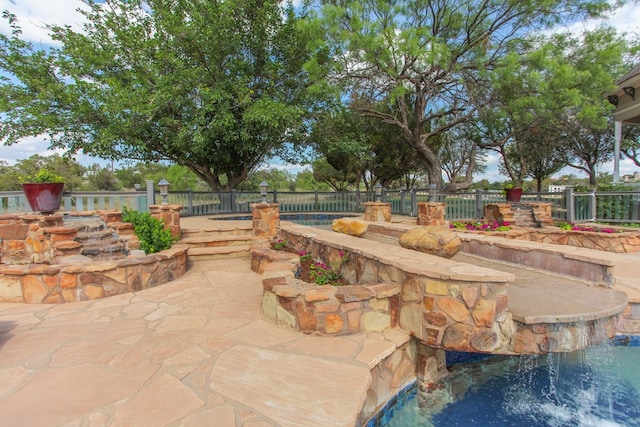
(32, 14)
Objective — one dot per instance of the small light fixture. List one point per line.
(631, 91)
(264, 186)
(378, 187)
(164, 190)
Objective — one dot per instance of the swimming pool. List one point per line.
(313, 219)
(599, 386)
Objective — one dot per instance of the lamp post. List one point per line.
(264, 186)
(378, 188)
(164, 190)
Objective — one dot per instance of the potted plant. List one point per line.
(513, 192)
(43, 191)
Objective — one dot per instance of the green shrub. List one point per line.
(43, 176)
(151, 232)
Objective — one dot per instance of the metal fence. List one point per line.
(570, 206)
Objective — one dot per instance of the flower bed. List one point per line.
(320, 273)
(481, 225)
(582, 236)
(576, 227)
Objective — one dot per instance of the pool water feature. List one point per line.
(598, 386)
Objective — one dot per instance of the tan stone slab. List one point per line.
(97, 352)
(262, 334)
(34, 347)
(161, 312)
(324, 346)
(373, 351)
(140, 308)
(220, 416)
(279, 391)
(10, 377)
(57, 396)
(546, 303)
(177, 322)
(9, 322)
(160, 403)
(188, 356)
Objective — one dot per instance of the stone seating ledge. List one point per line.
(580, 263)
(407, 260)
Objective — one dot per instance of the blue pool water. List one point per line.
(597, 387)
(311, 219)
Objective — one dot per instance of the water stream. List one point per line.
(598, 387)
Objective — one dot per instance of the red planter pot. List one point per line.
(44, 197)
(513, 194)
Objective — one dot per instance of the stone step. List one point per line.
(215, 241)
(229, 228)
(221, 252)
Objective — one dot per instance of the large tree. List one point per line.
(544, 100)
(431, 58)
(363, 147)
(212, 85)
(600, 58)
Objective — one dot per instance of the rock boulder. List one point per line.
(439, 241)
(350, 226)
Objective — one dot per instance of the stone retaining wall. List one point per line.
(625, 242)
(328, 310)
(444, 303)
(572, 263)
(322, 310)
(44, 283)
(33, 245)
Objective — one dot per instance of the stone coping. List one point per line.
(407, 260)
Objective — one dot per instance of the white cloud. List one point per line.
(32, 16)
(624, 19)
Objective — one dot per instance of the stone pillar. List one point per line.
(170, 214)
(377, 211)
(431, 364)
(542, 211)
(431, 213)
(499, 212)
(266, 219)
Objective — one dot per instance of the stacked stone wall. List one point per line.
(31, 244)
(431, 213)
(321, 310)
(170, 214)
(377, 211)
(444, 303)
(622, 242)
(48, 284)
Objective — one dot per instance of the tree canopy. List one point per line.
(212, 85)
(431, 59)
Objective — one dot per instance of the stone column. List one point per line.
(266, 219)
(377, 211)
(431, 213)
(499, 212)
(170, 214)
